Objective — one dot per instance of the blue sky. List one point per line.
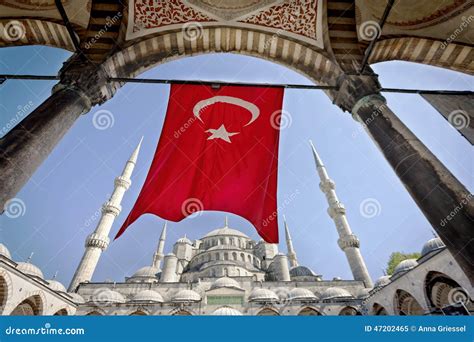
(63, 198)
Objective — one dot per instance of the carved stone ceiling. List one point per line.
(424, 18)
(78, 11)
(299, 19)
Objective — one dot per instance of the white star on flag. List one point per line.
(220, 133)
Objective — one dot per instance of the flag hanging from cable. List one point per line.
(218, 150)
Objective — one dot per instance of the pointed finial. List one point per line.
(226, 222)
(317, 159)
(163, 231)
(29, 258)
(55, 275)
(134, 156)
(384, 271)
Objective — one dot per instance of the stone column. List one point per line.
(444, 201)
(26, 146)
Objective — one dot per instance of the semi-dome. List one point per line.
(148, 296)
(226, 311)
(225, 231)
(76, 298)
(335, 292)
(301, 271)
(4, 251)
(184, 240)
(186, 296)
(225, 282)
(107, 296)
(432, 245)
(56, 286)
(300, 294)
(30, 269)
(382, 281)
(146, 272)
(263, 295)
(405, 265)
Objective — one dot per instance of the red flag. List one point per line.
(218, 150)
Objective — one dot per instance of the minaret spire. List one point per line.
(348, 242)
(159, 254)
(289, 246)
(99, 240)
(226, 222)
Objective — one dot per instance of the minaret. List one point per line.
(348, 242)
(289, 246)
(158, 256)
(98, 241)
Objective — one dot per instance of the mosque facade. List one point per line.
(227, 273)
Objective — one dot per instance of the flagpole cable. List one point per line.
(217, 84)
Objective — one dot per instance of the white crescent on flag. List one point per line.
(253, 109)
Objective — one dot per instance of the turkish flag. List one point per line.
(218, 150)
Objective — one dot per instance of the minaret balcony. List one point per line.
(98, 241)
(336, 209)
(122, 182)
(327, 185)
(348, 241)
(111, 208)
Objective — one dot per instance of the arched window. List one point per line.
(249, 258)
(349, 311)
(62, 312)
(94, 313)
(218, 256)
(242, 256)
(406, 305)
(3, 292)
(379, 310)
(138, 313)
(182, 313)
(226, 256)
(234, 256)
(441, 290)
(309, 312)
(226, 272)
(267, 312)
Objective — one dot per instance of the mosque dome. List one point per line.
(186, 296)
(225, 282)
(184, 240)
(301, 271)
(363, 293)
(30, 269)
(4, 251)
(76, 298)
(226, 311)
(146, 272)
(107, 296)
(263, 295)
(147, 296)
(56, 286)
(382, 281)
(301, 294)
(335, 292)
(432, 245)
(405, 265)
(225, 231)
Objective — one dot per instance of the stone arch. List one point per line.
(268, 312)
(61, 312)
(157, 49)
(138, 313)
(181, 312)
(36, 297)
(349, 311)
(441, 290)
(30, 306)
(95, 313)
(6, 289)
(309, 311)
(433, 52)
(38, 32)
(405, 304)
(379, 310)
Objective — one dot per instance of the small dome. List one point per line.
(4, 251)
(405, 265)
(56, 286)
(225, 282)
(432, 245)
(335, 292)
(106, 296)
(30, 269)
(76, 298)
(226, 311)
(301, 271)
(148, 296)
(382, 281)
(184, 240)
(363, 293)
(300, 294)
(146, 272)
(186, 296)
(262, 295)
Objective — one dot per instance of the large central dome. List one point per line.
(225, 231)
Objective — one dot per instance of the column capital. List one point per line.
(86, 78)
(352, 88)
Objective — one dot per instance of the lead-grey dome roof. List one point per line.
(226, 311)
(432, 245)
(30, 269)
(225, 231)
(301, 271)
(405, 265)
(147, 296)
(262, 295)
(186, 296)
(301, 294)
(382, 281)
(4, 251)
(335, 292)
(225, 282)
